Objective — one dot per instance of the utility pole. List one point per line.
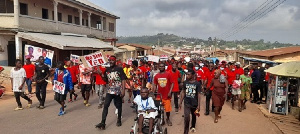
(215, 46)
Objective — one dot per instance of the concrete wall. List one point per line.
(3, 55)
(287, 57)
(6, 20)
(34, 21)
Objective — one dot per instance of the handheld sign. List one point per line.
(94, 59)
(153, 58)
(59, 87)
(74, 58)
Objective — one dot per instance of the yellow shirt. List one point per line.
(127, 71)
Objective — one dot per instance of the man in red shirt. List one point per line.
(144, 71)
(100, 83)
(29, 69)
(164, 83)
(200, 74)
(231, 76)
(175, 74)
(69, 65)
(238, 69)
(209, 77)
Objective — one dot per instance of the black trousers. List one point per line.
(21, 94)
(255, 88)
(41, 92)
(175, 94)
(118, 103)
(208, 98)
(187, 111)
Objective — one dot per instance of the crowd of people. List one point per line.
(185, 80)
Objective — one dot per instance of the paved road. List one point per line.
(80, 119)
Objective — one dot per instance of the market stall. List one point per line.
(284, 94)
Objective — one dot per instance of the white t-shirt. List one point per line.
(18, 77)
(143, 105)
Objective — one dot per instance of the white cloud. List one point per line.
(204, 18)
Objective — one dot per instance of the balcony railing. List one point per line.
(29, 23)
(7, 20)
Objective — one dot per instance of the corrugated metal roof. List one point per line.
(66, 42)
(274, 52)
(92, 5)
(134, 45)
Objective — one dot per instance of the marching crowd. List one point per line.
(177, 80)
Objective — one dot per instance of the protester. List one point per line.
(137, 77)
(73, 71)
(238, 68)
(86, 83)
(163, 84)
(41, 74)
(1, 69)
(62, 75)
(29, 68)
(175, 75)
(245, 88)
(236, 92)
(128, 82)
(191, 96)
(116, 90)
(255, 85)
(265, 84)
(208, 89)
(219, 92)
(17, 77)
(99, 73)
(146, 109)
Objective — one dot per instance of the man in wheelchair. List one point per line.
(146, 109)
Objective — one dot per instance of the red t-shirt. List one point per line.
(200, 75)
(209, 77)
(239, 71)
(143, 68)
(73, 71)
(60, 77)
(267, 77)
(163, 82)
(29, 69)
(250, 72)
(205, 69)
(169, 67)
(175, 75)
(99, 80)
(2, 68)
(231, 77)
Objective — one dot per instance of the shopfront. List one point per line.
(284, 94)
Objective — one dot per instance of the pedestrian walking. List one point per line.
(191, 96)
(116, 91)
(62, 75)
(18, 76)
(175, 74)
(41, 74)
(246, 88)
(86, 83)
(163, 84)
(208, 89)
(73, 71)
(100, 82)
(29, 69)
(236, 92)
(219, 93)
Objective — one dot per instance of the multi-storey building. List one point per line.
(64, 26)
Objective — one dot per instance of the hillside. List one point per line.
(177, 41)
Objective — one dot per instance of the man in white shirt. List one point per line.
(17, 76)
(146, 109)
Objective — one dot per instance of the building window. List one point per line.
(59, 17)
(6, 6)
(104, 23)
(23, 9)
(83, 22)
(45, 14)
(87, 23)
(98, 25)
(70, 19)
(111, 27)
(77, 20)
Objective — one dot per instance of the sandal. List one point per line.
(169, 122)
(219, 116)
(216, 121)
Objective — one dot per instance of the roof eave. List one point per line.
(87, 6)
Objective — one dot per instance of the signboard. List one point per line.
(33, 53)
(74, 58)
(163, 58)
(59, 87)
(153, 58)
(94, 59)
(129, 61)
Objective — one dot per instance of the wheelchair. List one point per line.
(158, 121)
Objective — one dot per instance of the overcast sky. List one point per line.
(205, 18)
